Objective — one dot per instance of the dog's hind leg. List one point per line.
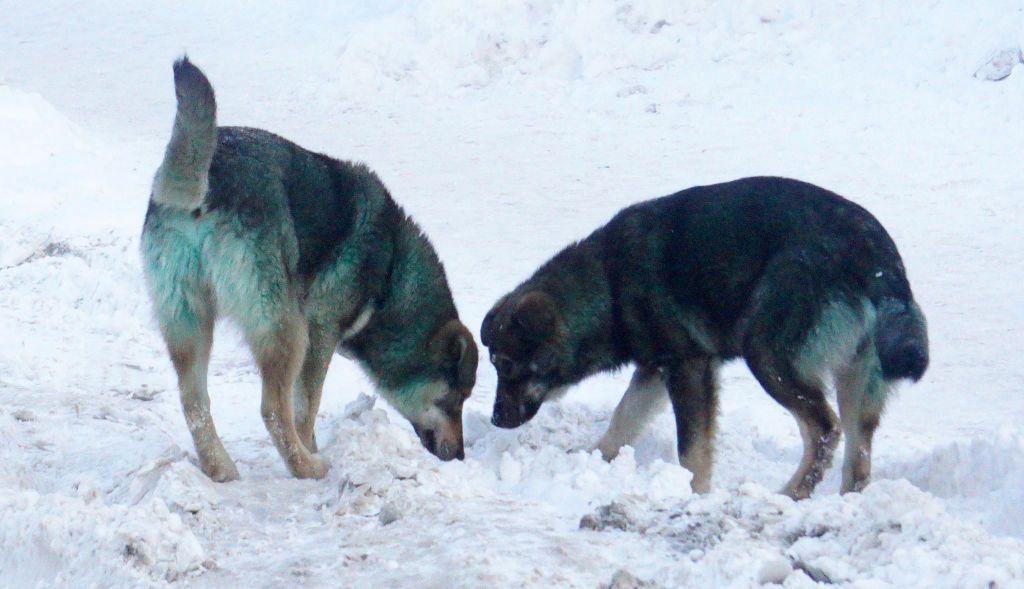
(805, 400)
(190, 354)
(862, 392)
(793, 336)
(310, 385)
(644, 398)
(279, 349)
(693, 390)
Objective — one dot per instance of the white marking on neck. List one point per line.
(359, 324)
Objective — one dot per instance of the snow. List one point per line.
(507, 129)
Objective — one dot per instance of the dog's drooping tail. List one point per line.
(901, 339)
(308, 255)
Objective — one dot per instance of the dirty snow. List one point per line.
(507, 129)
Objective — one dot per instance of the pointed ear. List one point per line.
(536, 314)
(456, 352)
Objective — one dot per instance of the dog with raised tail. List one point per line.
(804, 285)
(308, 255)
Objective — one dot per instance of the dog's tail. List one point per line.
(901, 339)
(182, 179)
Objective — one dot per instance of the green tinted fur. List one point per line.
(418, 291)
(332, 296)
(172, 254)
(838, 331)
(187, 258)
(415, 396)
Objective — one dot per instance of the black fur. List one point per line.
(746, 268)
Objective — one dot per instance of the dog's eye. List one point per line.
(452, 402)
(503, 364)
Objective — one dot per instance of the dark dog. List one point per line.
(802, 283)
(307, 254)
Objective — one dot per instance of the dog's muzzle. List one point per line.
(511, 412)
(446, 445)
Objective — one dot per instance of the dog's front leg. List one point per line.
(309, 387)
(693, 389)
(644, 399)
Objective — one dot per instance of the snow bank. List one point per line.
(447, 46)
(56, 277)
(58, 178)
(52, 540)
(454, 45)
(33, 130)
(572, 482)
(893, 534)
(984, 476)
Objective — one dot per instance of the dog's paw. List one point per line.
(221, 471)
(796, 492)
(854, 486)
(314, 468)
(608, 452)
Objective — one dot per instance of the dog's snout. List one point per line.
(501, 417)
(446, 452)
(445, 442)
(511, 411)
(429, 439)
(508, 414)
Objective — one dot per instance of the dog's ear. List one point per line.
(456, 351)
(536, 314)
(544, 360)
(487, 327)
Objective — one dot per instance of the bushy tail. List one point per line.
(901, 339)
(182, 179)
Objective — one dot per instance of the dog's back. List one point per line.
(715, 251)
(261, 178)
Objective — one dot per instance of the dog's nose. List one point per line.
(446, 452)
(506, 416)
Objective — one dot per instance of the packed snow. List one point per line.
(508, 129)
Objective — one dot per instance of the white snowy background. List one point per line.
(508, 128)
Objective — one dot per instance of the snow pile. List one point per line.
(1000, 65)
(448, 46)
(983, 476)
(381, 463)
(56, 178)
(34, 130)
(55, 540)
(38, 141)
(451, 44)
(892, 533)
